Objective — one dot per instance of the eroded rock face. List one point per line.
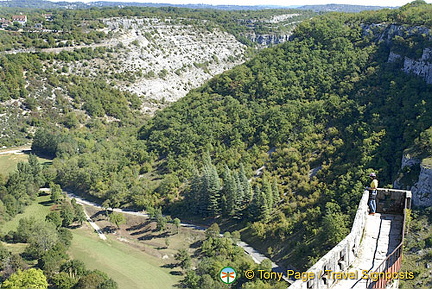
(268, 39)
(422, 190)
(409, 161)
(422, 66)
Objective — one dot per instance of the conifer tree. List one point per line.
(228, 192)
(238, 193)
(212, 186)
(276, 194)
(247, 192)
(267, 190)
(264, 211)
(196, 195)
(259, 210)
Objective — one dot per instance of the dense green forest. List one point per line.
(46, 241)
(279, 148)
(327, 102)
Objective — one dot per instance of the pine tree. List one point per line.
(228, 192)
(276, 194)
(212, 187)
(267, 190)
(238, 193)
(247, 192)
(196, 196)
(258, 209)
(263, 207)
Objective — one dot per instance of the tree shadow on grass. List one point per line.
(138, 226)
(146, 238)
(140, 232)
(177, 273)
(170, 265)
(149, 237)
(46, 203)
(100, 215)
(43, 193)
(109, 229)
(196, 244)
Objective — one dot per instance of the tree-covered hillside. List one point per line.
(278, 148)
(319, 112)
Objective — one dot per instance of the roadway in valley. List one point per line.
(256, 256)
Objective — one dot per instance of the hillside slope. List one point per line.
(330, 106)
(278, 148)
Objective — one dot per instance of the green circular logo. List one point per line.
(227, 275)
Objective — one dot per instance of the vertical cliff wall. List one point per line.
(402, 40)
(422, 189)
(416, 174)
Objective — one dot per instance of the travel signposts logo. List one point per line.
(227, 275)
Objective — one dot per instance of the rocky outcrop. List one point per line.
(422, 190)
(421, 67)
(268, 39)
(387, 33)
(416, 175)
(409, 161)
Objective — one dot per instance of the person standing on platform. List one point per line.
(372, 193)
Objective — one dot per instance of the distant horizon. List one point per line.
(282, 3)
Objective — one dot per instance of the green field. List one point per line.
(8, 162)
(128, 266)
(37, 210)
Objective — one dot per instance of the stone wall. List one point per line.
(391, 201)
(341, 256)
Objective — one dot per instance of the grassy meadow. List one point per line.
(128, 266)
(8, 162)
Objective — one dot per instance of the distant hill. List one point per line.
(79, 5)
(341, 8)
(42, 4)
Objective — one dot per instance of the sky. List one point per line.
(391, 3)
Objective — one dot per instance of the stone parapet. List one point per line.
(341, 256)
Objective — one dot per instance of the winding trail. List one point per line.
(256, 256)
(19, 151)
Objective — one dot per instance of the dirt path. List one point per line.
(20, 150)
(256, 256)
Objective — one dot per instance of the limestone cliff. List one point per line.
(266, 40)
(400, 38)
(422, 190)
(416, 175)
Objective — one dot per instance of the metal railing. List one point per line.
(387, 271)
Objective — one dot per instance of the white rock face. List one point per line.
(387, 33)
(393, 57)
(422, 190)
(408, 161)
(181, 55)
(421, 67)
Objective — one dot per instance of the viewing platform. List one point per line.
(371, 251)
(381, 238)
